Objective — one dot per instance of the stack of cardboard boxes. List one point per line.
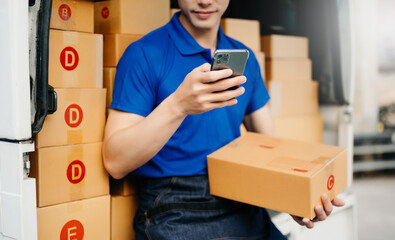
(287, 73)
(122, 22)
(72, 184)
(294, 95)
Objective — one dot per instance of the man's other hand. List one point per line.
(321, 212)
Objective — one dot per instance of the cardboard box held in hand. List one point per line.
(283, 175)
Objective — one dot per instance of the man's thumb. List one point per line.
(206, 67)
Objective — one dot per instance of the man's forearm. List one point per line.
(129, 148)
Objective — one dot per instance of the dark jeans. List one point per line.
(182, 208)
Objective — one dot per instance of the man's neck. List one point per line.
(206, 38)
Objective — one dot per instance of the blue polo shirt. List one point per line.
(152, 68)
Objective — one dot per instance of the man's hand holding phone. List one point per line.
(201, 90)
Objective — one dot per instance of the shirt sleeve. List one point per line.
(134, 85)
(260, 95)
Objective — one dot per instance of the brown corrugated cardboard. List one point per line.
(131, 17)
(79, 119)
(86, 219)
(243, 130)
(307, 128)
(75, 60)
(72, 15)
(69, 173)
(108, 82)
(124, 187)
(260, 57)
(115, 45)
(172, 11)
(288, 69)
(243, 30)
(280, 46)
(123, 210)
(293, 98)
(279, 174)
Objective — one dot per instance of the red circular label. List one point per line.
(76, 171)
(69, 58)
(331, 182)
(72, 230)
(73, 115)
(64, 12)
(105, 12)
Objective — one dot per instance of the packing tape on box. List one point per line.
(72, 97)
(70, 76)
(99, 61)
(322, 160)
(72, 39)
(75, 207)
(77, 153)
(77, 192)
(294, 164)
(74, 136)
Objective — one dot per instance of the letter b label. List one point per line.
(64, 12)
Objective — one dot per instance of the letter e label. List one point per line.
(72, 230)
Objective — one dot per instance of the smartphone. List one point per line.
(235, 59)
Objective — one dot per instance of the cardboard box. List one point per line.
(75, 60)
(131, 17)
(79, 119)
(307, 128)
(123, 187)
(288, 69)
(72, 15)
(283, 175)
(108, 82)
(243, 30)
(280, 46)
(173, 11)
(260, 57)
(243, 130)
(115, 45)
(69, 173)
(123, 210)
(293, 98)
(86, 219)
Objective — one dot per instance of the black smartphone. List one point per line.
(235, 59)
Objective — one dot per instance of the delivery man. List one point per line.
(169, 111)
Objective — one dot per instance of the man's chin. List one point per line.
(207, 25)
